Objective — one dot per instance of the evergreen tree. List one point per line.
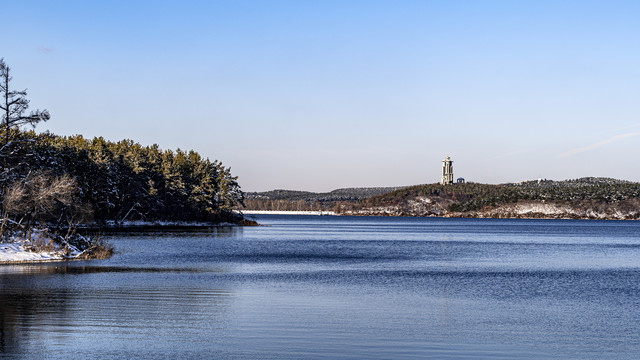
(14, 104)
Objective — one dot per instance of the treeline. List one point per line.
(287, 205)
(290, 200)
(50, 185)
(116, 181)
(475, 196)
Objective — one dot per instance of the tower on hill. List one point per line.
(447, 171)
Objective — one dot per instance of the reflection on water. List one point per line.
(178, 230)
(118, 322)
(327, 287)
(66, 268)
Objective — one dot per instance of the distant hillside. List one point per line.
(599, 198)
(309, 201)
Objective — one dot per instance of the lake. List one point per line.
(325, 287)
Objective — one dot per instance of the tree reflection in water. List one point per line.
(48, 307)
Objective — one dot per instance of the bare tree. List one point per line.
(44, 199)
(14, 104)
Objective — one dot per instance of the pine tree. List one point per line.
(14, 103)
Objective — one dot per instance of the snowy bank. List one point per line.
(26, 251)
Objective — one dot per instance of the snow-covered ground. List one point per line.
(23, 251)
(16, 249)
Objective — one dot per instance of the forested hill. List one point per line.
(306, 200)
(111, 182)
(598, 198)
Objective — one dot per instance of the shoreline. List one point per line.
(492, 217)
(44, 261)
(531, 216)
(15, 253)
(288, 212)
(156, 225)
(20, 251)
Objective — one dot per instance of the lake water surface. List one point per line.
(323, 287)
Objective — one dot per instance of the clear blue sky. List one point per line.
(317, 95)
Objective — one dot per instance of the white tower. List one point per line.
(447, 171)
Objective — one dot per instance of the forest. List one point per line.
(118, 181)
(588, 197)
(56, 184)
(290, 200)
(474, 196)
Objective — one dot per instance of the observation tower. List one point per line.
(447, 171)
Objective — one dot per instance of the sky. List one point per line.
(320, 95)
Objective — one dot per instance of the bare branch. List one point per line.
(14, 103)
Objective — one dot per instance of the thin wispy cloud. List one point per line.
(45, 50)
(598, 144)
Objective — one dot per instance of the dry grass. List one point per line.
(99, 249)
(43, 241)
(41, 244)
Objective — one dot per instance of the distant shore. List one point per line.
(583, 198)
(476, 215)
(280, 212)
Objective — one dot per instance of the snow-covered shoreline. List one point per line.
(21, 251)
(17, 249)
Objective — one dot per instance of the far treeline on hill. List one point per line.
(585, 198)
(291, 200)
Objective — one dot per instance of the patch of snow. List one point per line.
(20, 250)
(547, 209)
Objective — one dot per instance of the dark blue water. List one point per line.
(318, 287)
